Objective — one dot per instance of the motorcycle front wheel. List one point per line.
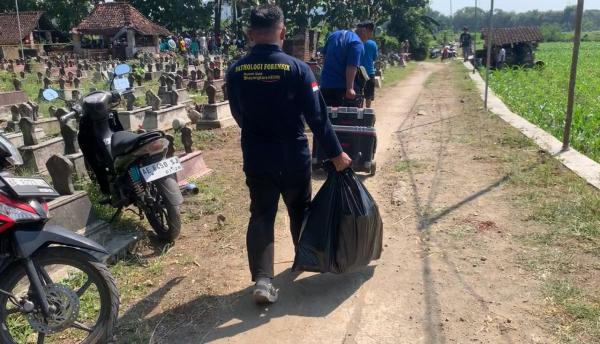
(163, 216)
(80, 289)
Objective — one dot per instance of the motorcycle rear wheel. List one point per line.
(163, 216)
(91, 277)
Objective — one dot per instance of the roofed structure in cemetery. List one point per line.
(36, 31)
(513, 35)
(118, 29)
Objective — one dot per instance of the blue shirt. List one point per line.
(343, 48)
(269, 93)
(369, 56)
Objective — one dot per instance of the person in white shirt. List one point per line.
(501, 58)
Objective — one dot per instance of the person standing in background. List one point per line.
(465, 43)
(367, 60)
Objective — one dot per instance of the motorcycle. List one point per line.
(132, 169)
(50, 283)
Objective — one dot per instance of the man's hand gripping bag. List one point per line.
(343, 230)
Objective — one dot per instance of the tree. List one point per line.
(177, 15)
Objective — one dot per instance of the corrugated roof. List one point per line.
(109, 18)
(9, 30)
(510, 35)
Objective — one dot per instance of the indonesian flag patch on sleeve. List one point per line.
(315, 86)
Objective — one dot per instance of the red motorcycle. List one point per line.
(51, 286)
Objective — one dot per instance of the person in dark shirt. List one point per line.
(343, 52)
(270, 93)
(465, 43)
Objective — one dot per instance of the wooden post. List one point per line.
(572, 82)
(490, 43)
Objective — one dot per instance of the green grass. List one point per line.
(393, 75)
(579, 313)
(540, 95)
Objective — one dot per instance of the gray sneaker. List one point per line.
(265, 292)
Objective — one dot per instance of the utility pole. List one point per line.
(572, 82)
(475, 32)
(20, 32)
(490, 43)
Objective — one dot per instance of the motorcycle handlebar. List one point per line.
(67, 117)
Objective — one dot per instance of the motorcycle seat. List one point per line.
(124, 142)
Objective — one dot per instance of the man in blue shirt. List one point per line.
(269, 93)
(367, 60)
(343, 51)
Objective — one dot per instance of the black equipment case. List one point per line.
(360, 143)
(351, 116)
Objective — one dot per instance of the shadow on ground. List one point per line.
(212, 317)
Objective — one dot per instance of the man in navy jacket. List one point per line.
(269, 94)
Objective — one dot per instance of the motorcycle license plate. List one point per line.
(30, 187)
(161, 169)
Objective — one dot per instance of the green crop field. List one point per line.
(540, 95)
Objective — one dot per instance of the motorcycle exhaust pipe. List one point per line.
(189, 189)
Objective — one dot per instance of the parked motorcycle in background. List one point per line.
(50, 284)
(131, 169)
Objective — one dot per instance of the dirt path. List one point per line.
(448, 272)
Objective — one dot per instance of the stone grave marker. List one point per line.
(61, 83)
(28, 130)
(211, 92)
(178, 82)
(17, 84)
(152, 100)
(22, 74)
(48, 73)
(170, 81)
(61, 171)
(131, 98)
(25, 110)
(186, 139)
(40, 77)
(47, 82)
(76, 82)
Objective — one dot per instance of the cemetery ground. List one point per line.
(486, 239)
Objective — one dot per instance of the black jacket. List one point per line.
(269, 94)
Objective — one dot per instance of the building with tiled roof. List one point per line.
(36, 31)
(518, 43)
(119, 28)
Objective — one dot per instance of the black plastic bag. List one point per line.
(343, 230)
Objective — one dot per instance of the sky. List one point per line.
(511, 5)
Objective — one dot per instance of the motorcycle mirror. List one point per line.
(50, 94)
(121, 84)
(122, 69)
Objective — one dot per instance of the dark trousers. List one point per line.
(265, 189)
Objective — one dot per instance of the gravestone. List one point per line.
(193, 75)
(76, 82)
(173, 97)
(178, 82)
(79, 73)
(170, 82)
(211, 92)
(61, 71)
(25, 110)
(35, 108)
(131, 79)
(48, 73)
(153, 100)
(61, 171)
(186, 139)
(68, 131)
(22, 74)
(130, 97)
(61, 83)
(15, 113)
(194, 116)
(47, 82)
(40, 77)
(17, 84)
(28, 130)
